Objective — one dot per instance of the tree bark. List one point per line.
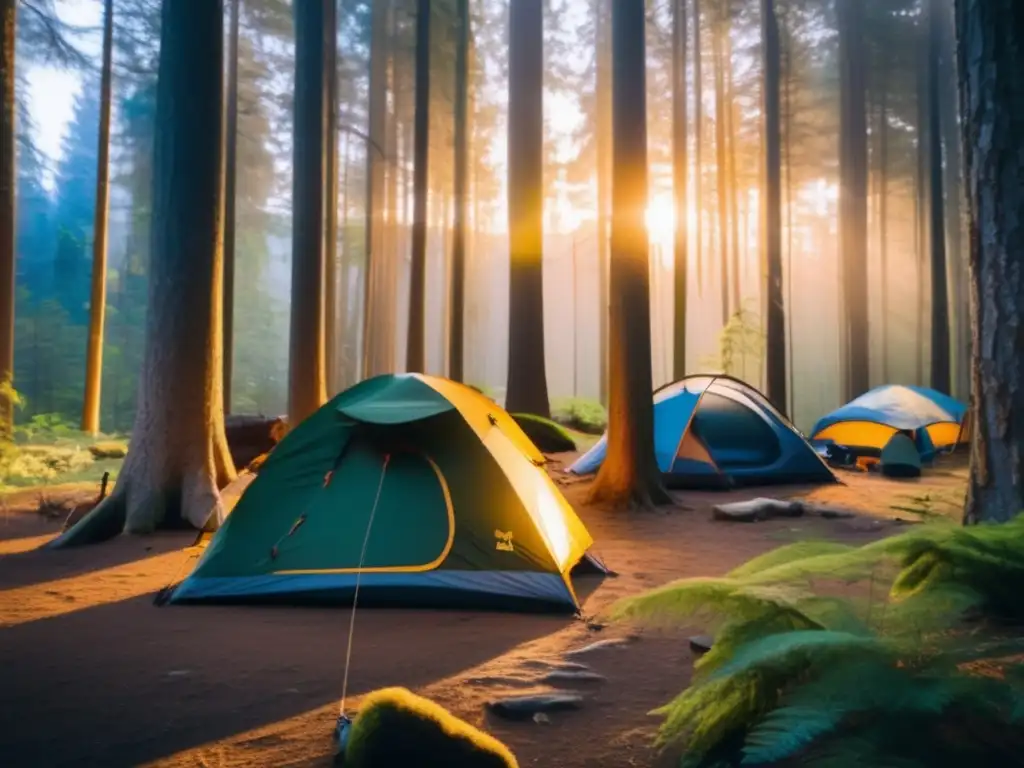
(415, 360)
(8, 193)
(940, 368)
(179, 455)
(98, 292)
(457, 330)
(853, 218)
(629, 475)
(230, 201)
(776, 320)
(334, 341)
(679, 171)
(990, 58)
(603, 123)
(306, 363)
(373, 301)
(527, 390)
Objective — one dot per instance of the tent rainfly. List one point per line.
(421, 488)
(717, 431)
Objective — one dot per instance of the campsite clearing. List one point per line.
(99, 676)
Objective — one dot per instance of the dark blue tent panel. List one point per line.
(719, 431)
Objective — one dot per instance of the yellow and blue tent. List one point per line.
(867, 423)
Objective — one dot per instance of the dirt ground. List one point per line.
(95, 675)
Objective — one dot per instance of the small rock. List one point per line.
(558, 666)
(566, 676)
(599, 645)
(178, 672)
(756, 510)
(595, 626)
(701, 643)
(525, 707)
(541, 719)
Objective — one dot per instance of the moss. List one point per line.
(545, 434)
(396, 728)
(109, 449)
(587, 416)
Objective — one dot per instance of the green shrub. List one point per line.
(907, 676)
(398, 729)
(548, 436)
(32, 464)
(587, 416)
(45, 426)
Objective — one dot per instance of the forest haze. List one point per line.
(901, 66)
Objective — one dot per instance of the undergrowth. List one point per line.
(581, 414)
(916, 663)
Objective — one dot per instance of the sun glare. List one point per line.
(661, 220)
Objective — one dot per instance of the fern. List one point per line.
(896, 679)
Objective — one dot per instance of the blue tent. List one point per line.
(715, 431)
(867, 423)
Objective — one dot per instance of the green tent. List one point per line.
(423, 488)
(900, 457)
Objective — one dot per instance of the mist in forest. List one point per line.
(376, 66)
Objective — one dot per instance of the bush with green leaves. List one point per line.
(920, 668)
(581, 414)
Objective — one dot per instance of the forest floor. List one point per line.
(95, 675)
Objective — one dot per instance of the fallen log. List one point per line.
(250, 437)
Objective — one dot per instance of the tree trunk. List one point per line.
(721, 157)
(415, 360)
(373, 302)
(990, 58)
(179, 455)
(954, 205)
(679, 175)
(8, 193)
(883, 205)
(698, 148)
(306, 375)
(776, 320)
(603, 128)
(629, 475)
(940, 369)
(333, 341)
(230, 202)
(386, 292)
(98, 293)
(457, 330)
(732, 185)
(787, 112)
(527, 390)
(921, 197)
(853, 215)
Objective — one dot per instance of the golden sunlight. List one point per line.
(661, 218)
